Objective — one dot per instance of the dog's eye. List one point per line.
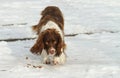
(46, 42)
(54, 42)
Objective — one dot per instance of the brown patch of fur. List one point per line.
(54, 12)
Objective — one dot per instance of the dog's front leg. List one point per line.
(45, 57)
(59, 59)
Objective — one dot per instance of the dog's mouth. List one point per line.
(51, 51)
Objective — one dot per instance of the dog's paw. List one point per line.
(47, 62)
(55, 62)
(60, 59)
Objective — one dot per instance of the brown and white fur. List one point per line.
(50, 43)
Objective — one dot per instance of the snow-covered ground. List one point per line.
(93, 53)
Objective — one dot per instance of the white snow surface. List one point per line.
(93, 53)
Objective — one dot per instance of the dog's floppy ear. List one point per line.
(38, 46)
(60, 45)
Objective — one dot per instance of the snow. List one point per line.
(93, 53)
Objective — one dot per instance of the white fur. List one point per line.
(46, 58)
(52, 25)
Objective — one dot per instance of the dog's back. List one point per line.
(50, 13)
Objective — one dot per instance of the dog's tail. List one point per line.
(35, 29)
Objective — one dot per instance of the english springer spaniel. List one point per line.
(50, 43)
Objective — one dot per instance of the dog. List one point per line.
(50, 43)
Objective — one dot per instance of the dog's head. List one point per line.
(51, 41)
